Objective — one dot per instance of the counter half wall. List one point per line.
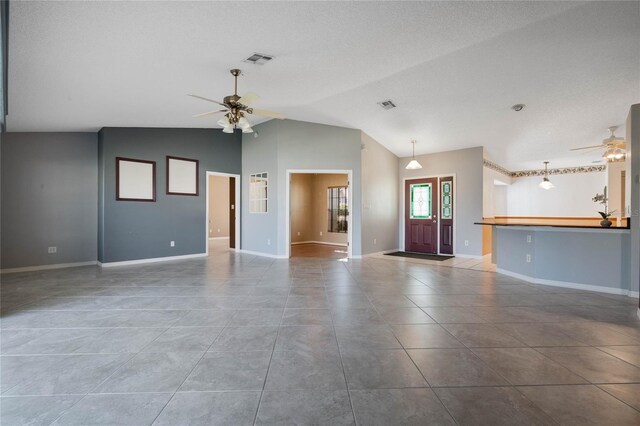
(582, 258)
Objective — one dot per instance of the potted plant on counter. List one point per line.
(604, 200)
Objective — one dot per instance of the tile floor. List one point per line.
(237, 339)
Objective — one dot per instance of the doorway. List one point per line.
(319, 213)
(429, 216)
(223, 227)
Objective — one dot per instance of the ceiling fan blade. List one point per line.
(204, 114)
(207, 99)
(588, 147)
(248, 98)
(266, 113)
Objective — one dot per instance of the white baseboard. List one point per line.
(219, 238)
(378, 253)
(45, 267)
(466, 256)
(320, 242)
(258, 253)
(151, 260)
(567, 284)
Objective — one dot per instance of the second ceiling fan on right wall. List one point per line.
(614, 147)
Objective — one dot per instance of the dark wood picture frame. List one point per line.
(118, 180)
(197, 176)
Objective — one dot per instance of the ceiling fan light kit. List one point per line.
(546, 183)
(614, 147)
(236, 108)
(413, 164)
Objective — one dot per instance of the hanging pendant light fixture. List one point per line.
(546, 183)
(413, 164)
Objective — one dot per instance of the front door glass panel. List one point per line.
(420, 201)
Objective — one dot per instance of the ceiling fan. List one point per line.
(614, 147)
(236, 108)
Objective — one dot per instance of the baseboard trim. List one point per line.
(258, 253)
(151, 260)
(219, 238)
(378, 253)
(467, 256)
(567, 284)
(320, 242)
(45, 267)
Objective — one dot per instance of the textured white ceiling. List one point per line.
(453, 68)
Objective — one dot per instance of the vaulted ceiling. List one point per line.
(453, 69)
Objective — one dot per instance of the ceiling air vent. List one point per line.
(388, 104)
(258, 59)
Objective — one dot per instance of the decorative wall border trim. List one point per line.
(561, 171)
(496, 167)
(557, 171)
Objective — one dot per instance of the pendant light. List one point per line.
(546, 183)
(413, 164)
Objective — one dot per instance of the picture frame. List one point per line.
(135, 180)
(183, 176)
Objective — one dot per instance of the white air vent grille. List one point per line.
(388, 104)
(258, 59)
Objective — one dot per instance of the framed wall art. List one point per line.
(182, 176)
(135, 179)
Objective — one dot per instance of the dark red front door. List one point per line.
(421, 221)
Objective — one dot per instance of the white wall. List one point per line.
(380, 215)
(571, 196)
(493, 196)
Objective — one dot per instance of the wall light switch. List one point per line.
(528, 238)
(298, 233)
(172, 243)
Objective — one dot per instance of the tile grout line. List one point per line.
(344, 373)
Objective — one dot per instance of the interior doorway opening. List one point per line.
(223, 227)
(319, 214)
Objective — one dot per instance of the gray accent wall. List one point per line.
(380, 215)
(49, 198)
(295, 145)
(132, 230)
(467, 167)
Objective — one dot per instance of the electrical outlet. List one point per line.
(298, 233)
(218, 229)
(321, 233)
(268, 242)
(172, 243)
(528, 258)
(466, 242)
(375, 241)
(528, 238)
(52, 250)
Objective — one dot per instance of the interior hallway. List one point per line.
(241, 339)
